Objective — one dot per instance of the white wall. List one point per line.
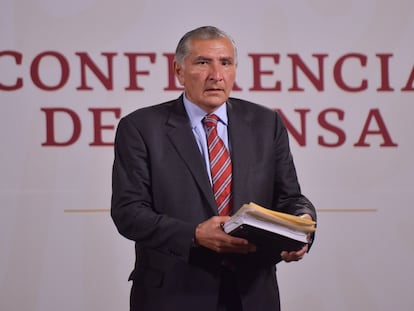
(58, 246)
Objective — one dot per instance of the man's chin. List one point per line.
(215, 97)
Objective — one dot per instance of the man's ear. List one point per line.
(178, 70)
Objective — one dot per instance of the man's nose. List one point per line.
(216, 72)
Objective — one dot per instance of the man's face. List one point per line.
(208, 72)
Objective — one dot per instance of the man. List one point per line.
(165, 195)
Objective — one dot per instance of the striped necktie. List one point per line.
(220, 165)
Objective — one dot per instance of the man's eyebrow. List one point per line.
(224, 58)
(201, 57)
(227, 58)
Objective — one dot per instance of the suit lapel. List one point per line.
(182, 138)
(240, 137)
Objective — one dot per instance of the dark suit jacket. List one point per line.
(161, 192)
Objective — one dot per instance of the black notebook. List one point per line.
(272, 232)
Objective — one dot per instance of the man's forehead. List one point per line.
(220, 47)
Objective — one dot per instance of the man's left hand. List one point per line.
(296, 255)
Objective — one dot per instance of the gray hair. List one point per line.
(203, 33)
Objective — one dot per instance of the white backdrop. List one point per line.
(354, 62)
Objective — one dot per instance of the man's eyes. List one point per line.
(206, 62)
(226, 62)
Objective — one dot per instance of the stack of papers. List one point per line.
(270, 231)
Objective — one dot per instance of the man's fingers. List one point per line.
(294, 256)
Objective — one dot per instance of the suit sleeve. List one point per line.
(287, 192)
(132, 204)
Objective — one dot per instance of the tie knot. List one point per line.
(210, 121)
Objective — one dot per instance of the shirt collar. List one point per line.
(196, 114)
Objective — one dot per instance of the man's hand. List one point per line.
(296, 255)
(210, 234)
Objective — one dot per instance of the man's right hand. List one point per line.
(210, 234)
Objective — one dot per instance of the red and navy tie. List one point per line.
(220, 164)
